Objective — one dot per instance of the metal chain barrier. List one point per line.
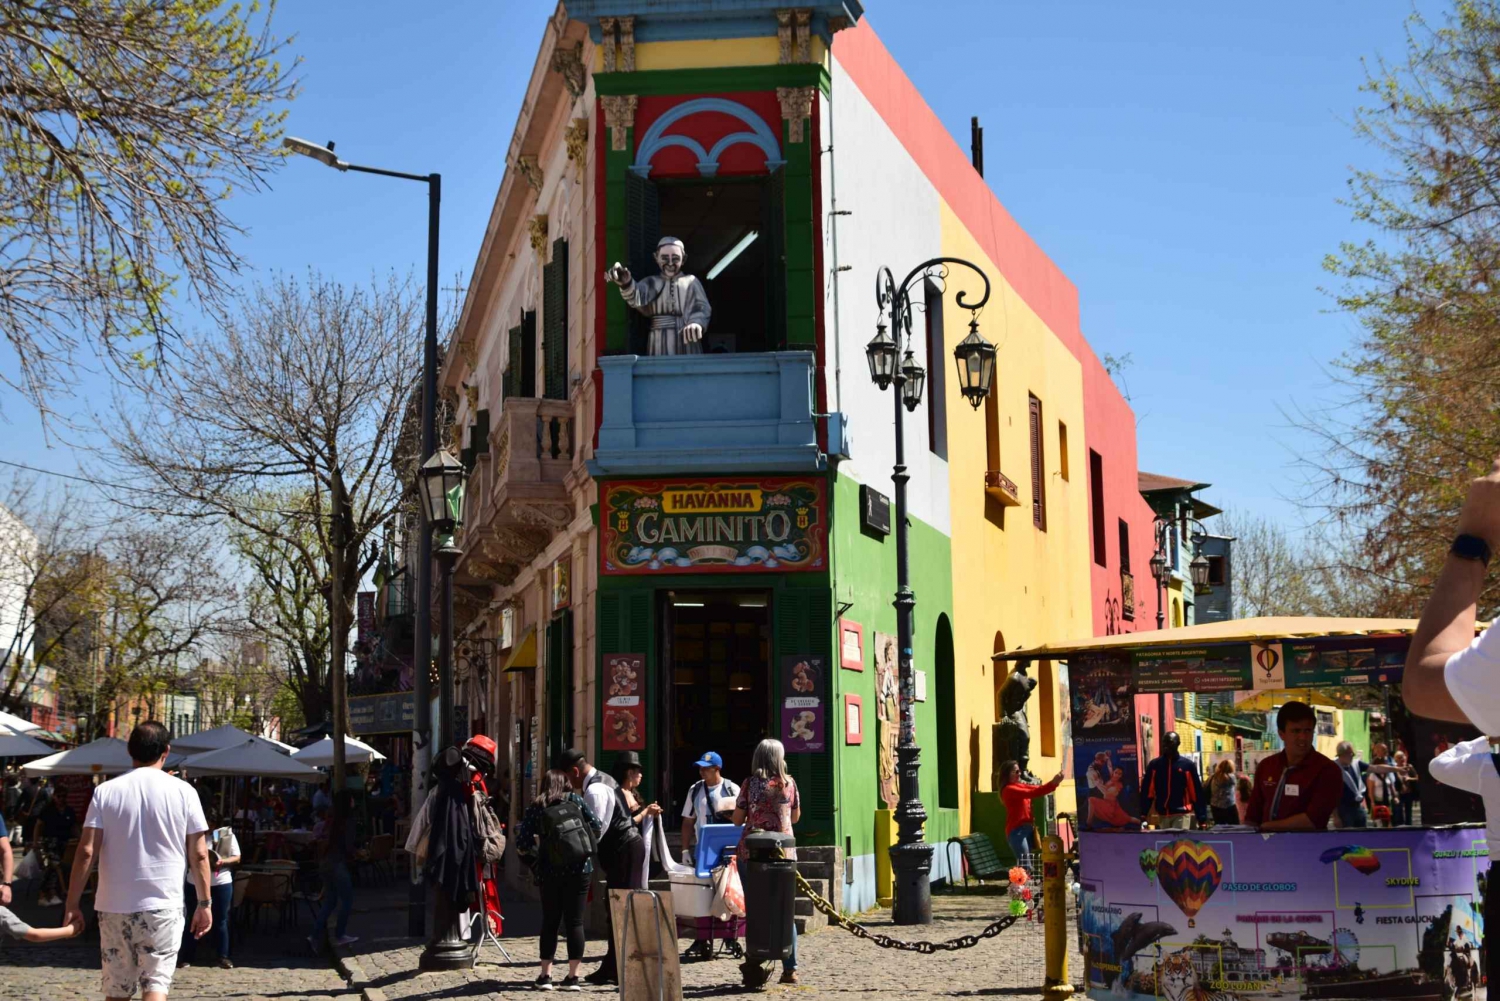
(886, 942)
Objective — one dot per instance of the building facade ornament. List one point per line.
(796, 108)
(569, 63)
(471, 393)
(577, 140)
(531, 170)
(619, 115)
(619, 43)
(627, 44)
(794, 34)
(538, 229)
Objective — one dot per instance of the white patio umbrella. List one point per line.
(256, 756)
(320, 753)
(16, 723)
(105, 756)
(220, 737)
(19, 745)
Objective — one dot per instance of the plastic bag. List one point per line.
(729, 892)
(29, 867)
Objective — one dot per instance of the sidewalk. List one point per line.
(383, 963)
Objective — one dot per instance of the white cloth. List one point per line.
(227, 845)
(599, 794)
(1468, 766)
(139, 951)
(703, 801)
(144, 818)
(1473, 679)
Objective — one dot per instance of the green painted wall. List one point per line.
(864, 577)
(1356, 730)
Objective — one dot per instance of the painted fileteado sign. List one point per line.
(772, 525)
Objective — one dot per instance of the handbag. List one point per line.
(729, 891)
(29, 867)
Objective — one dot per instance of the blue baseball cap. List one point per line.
(710, 760)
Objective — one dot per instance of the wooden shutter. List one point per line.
(555, 323)
(642, 231)
(937, 374)
(1124, 545)
(512, 378)
(527, 378)
(1038, 467)
(773, 231)
(1096, 508)
(559, 683)
(803, 621)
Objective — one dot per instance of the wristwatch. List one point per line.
(1471, 547)
(204, 905)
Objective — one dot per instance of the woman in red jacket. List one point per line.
(1017, 797)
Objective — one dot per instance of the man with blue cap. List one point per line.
(710, 801)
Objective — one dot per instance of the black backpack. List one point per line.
(567, 840)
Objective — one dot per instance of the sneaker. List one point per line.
(570, 983)
(225, 964)
(597, 977)
(544, 983)
(701, 949)
(789, 977)
(347, 939)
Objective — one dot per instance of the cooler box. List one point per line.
(713, 839)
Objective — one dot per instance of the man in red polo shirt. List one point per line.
(1296, 789)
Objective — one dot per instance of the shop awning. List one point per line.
(1256, 630)
(524, 653)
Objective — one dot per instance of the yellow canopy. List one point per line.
(1255, 630)
(524, 653)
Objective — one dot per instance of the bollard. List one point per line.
(1055, 924)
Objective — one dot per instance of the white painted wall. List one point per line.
(894, 221)
(18, 559)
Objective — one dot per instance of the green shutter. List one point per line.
(555, 323)
(513, 363)
(527, 378)
(626, 625)
(773, 227)
(559, 683)
(642, 231)
(804, 624)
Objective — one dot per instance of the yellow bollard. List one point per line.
(1055, 927)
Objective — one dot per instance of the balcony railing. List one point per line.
(716, 413)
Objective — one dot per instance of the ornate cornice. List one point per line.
(538, 229)
(577, 139)
(619, 115)
(619, 43)
(796, 108)
(531, 170)
(794, 34)
(569, 63)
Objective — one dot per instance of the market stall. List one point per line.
(1230, 911)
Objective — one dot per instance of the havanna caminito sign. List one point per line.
(741, 525)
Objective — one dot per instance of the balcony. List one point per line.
(717, 413)
(517, 497)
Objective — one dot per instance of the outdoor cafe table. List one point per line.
(1231, 911)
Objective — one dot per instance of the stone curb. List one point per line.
(355, 976)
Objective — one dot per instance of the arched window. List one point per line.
(947, 715)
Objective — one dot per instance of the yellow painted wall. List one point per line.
(709, 53)
(1033, 586)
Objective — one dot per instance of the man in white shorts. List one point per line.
(144, 828)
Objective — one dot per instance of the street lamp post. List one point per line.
(1160, 557)
(911, 855)
(422, 643)
(442, 490)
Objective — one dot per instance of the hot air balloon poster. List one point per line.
(1189, 872)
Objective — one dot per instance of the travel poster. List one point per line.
(1346, 661)
(1366, 913)
(887, 717)
(624, 712)
(804, 688)
(1223, 668)
(1101, 692)
(1107, 781)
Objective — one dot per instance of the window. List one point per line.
(1127, 580)
(1062, 449)
(555, 323)
(937, 374)
(520, 366)
(1096, 505)
(1124, 545)
(1179, 709)
(1047, 691)
(1038, 467)
(1218, 571)
(947, 715)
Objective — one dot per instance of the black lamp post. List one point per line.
(1198, 568)
(911, 856)
(422, 642)
(442, 489)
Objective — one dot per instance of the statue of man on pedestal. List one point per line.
(675, 302)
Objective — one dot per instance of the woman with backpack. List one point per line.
(557, 836)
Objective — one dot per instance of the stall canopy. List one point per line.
(21, 745)
(220, 737)
(16, 723)
(255, 756)
(1255, 630)
(320, 754)
(105, 756)
(524, 654)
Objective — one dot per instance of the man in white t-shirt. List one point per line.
(710, 800)
(1452, 676)
(143, 828)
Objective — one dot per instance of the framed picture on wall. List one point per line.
(851, 645)
(854, 720)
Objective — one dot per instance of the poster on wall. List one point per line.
(624, 712)
(887, 716)
(1267, 667)
(753, 525)
(1386, 914)
(1194, 669)
(804, 686)
(1107, 777)
(1352, 661)
(1065, 708)
(1102, 697)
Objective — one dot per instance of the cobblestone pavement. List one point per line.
(833, 963)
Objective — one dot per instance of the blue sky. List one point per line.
(1183, 165)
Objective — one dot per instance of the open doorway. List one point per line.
(719, 691)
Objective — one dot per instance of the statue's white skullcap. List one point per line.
(668, 241)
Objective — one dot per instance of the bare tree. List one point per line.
(124, 127)
(304, 390)
(1315, 572)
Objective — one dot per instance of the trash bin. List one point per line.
(770, 883)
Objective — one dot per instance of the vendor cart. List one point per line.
(1229, 912)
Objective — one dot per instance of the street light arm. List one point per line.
(424, 178)
(922, 269)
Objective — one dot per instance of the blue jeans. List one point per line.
(790, 964)
(338, 890)
(221, 897)
(1022, 841)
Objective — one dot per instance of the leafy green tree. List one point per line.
(1419, 416)
(125, 125)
